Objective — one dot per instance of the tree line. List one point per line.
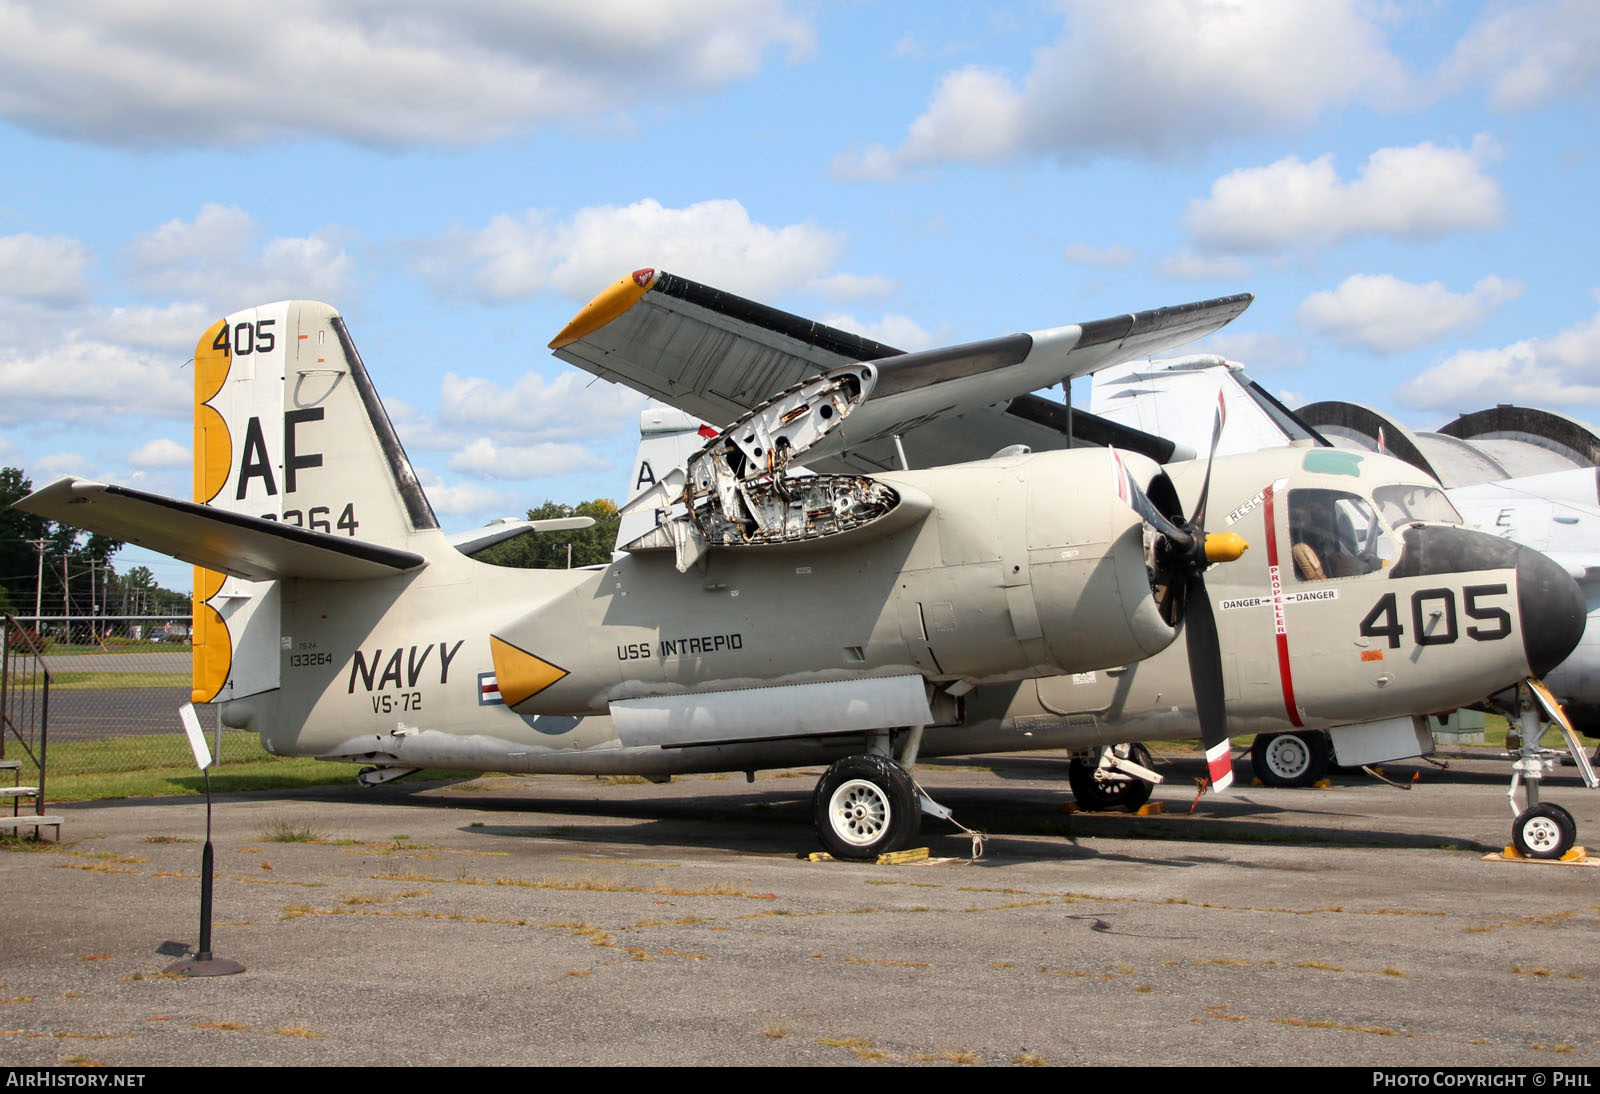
(548, 550)
(65, 571)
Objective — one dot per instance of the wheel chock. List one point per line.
(1148, 809)
(1575, 856)
(897, 858)
(893, 858)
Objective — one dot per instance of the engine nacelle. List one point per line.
(1044, 567)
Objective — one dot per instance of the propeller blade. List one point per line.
(1205, 675)
(1198, 518)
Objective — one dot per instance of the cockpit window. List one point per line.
(1403, 503)
(1335, 534)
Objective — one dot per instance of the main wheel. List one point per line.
(1544, 831)
(1290, 759)
(865, 806)
(1095, 795)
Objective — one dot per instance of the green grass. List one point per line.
(105, 681)
(158, 765)
(286, 831)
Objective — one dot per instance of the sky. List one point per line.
(1407, 188)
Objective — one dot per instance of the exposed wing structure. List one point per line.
(230, 543)
(716, 356)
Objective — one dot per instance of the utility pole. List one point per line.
(38, 584)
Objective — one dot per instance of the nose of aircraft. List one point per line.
(1552, 608)
(1549, 602)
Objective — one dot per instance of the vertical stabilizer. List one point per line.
(287, 426)
(667, 438)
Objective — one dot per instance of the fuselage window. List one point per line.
(1335, 534)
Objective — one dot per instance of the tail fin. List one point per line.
(287, 427)
(667, 438)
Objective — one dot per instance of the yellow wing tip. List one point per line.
(609, 303)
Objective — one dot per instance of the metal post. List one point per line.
(38, 586)
(204, 963)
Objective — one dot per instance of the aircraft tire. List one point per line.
(1097, 797)
(1544, 831)
(865, 806)
(1290, 759)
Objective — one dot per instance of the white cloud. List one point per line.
(976, 117)
(420, 72)
(872, 164)
(892, 330)
(81, 380)
(1188, 266)
(161, 452)
(486, 460)
(1562, 369)
(847, 286)
(174, 327)
(53, 465)
(47, 269)
(1418, 193)
(516, 256)
(574, 404)
(1256, 351)
(214, 258)
(1530, 54)
(1387, 315)
(464, 499)
(1153, 79)
(1113, 256)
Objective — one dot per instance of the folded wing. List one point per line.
(716, 356)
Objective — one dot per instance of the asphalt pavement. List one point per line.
(564, 920)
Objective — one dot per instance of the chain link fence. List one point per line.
(115, 686)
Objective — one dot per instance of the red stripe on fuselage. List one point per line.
(1275, 576)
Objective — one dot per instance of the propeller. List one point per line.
(1200, 622)
(1182, 555)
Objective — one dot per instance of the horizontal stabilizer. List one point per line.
(231, 543)
(475, 540)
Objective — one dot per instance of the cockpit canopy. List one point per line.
(1337, 533)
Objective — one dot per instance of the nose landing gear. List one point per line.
(1543, 829)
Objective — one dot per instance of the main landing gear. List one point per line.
(868, 805)
(1542, 829)
(1291, 759)
(1113, 777)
